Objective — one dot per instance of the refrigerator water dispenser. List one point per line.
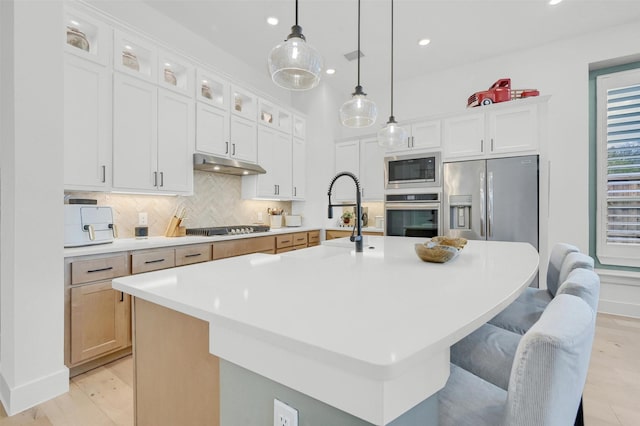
(460, 211)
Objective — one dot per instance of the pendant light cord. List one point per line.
(296, 13)
(391, 59)
(358, 42)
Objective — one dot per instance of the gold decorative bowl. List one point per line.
(458, 243)
(432, 252)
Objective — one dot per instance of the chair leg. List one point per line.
(579, 415)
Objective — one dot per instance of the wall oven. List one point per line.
(412, 171)
(412, 214)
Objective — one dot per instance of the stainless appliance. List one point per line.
(88, 224)
(229, 166)
(493, 199)
(412, 215)
(412, 171)
(227, 230)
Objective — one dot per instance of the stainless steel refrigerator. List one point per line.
(494, 199)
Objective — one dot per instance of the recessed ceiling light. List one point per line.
(272, 20)
(554, 2)
(424, 41)
(330, 71)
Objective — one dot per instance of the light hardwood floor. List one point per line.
(104, 396)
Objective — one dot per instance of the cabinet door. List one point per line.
(372, 170)
(212, 130)
(425, 134)
(135, 133)
(283, 162)
(175, 142)
(464, 136)
(243, 135)
(87, 125)
(100, 320)
(266, 183)
(514, 130)
(346, 155)
(298, 168)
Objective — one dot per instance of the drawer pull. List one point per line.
(91, 271)
(193, 255)
(286, 241)
(122, 296)
(153, 261)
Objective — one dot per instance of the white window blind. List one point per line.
(619, 168)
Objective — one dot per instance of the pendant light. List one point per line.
(392, 135)
(358, 111)
(294, 64)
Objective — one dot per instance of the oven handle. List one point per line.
(412, 206)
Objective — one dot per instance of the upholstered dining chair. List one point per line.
(546, 377)
(520, 315)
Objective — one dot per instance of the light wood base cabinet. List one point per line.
(331, 234)
(177, 380)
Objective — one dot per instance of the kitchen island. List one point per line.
(366, 335)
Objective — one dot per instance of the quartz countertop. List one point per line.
(128, 244)
(349, 228)
(368, 333)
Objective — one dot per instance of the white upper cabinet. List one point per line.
(299, 169)
(87, 125)
(509, 128)
(243, 103)
(212, 90)
(347, 156)
(87, 37)
(175, 73)
(371, 170)
(299, 127)
(212, 130)
(423, 135)
(134, 56)
(274, 116)
(464, 136)
(243, 139)
(152, 138)
(274, 155)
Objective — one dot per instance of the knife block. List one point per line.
(174, 229)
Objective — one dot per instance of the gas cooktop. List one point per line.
(227, 230)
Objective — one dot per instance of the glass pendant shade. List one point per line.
(358, 111)
(295, 65)
(392, 135)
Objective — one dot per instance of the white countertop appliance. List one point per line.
(88, 224)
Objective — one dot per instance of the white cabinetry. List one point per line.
(371, 170)
(87, 125)
(274, 155)
(423, 135)
(243, 139)
(347, 156)
(501, 130)
(212, 114)
(152, 138)
(298, 168)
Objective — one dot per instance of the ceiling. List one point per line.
(461, 31)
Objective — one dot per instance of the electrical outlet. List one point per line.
(283, 414)
(143, 219)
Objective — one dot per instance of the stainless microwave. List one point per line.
(412, 171)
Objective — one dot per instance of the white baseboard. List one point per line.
(30, 394)
(619, 292)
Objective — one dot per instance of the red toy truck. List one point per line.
(500, 91)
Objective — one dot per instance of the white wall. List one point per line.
(31, 282)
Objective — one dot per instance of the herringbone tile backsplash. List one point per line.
(216, 201)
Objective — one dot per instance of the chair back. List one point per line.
(574, 261)
(558, 253)
(550, 367)
(583, 283)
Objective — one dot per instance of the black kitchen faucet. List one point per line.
(358, 205)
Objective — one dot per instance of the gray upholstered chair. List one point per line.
(546, 378)
(489, 351)
(523, 313)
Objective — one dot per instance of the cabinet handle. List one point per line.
(408, 141)
(278, 189)
(234, 149)
(91, 271)
(155, 178)
(193, 255)
(226, 150)
(481, 145)
(286, 241)
(413, 142)
(161, 178)
(491, 144)
(153, 261)
(104, 174)
(275, 189)
(122, 296)
(295, 191)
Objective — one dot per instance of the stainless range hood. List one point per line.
(210, 163)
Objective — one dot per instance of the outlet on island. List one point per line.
(283, 414)
(143, 219)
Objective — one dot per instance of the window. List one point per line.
(618, 160)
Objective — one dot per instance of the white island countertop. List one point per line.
(368, 333)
